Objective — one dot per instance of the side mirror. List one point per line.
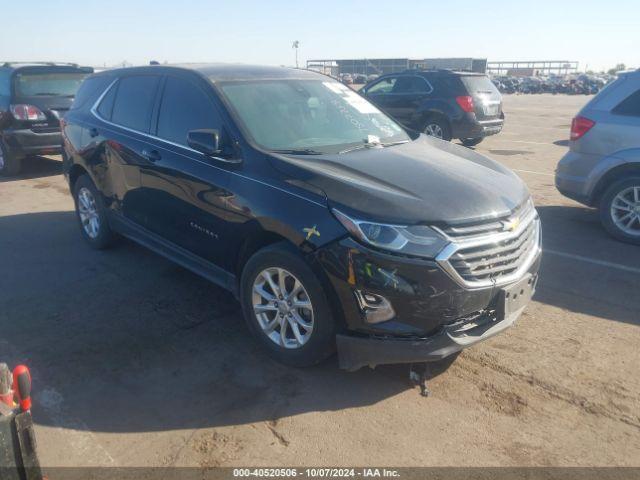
(205, 141)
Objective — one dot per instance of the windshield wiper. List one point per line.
(297, 151)
(391, 144)
(360, 147)
(372, 145)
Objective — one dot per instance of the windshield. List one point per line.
(312, 115)
(48, 84)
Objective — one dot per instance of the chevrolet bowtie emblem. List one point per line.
(311, 231)
(511, 225)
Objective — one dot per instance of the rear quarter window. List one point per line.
(629, 106)
(90, 90)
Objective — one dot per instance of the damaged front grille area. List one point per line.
(479, 229)
(495, 260)
(482, 256)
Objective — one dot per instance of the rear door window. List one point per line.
(412, 84)
(629, 106)
(133, 104)
(185, 107)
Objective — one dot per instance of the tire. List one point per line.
(318, 342)
(609, 214)
(88, 200)
(471, 142)
(9, 164)
(437, 124)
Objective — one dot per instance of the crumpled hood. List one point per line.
(424, 181)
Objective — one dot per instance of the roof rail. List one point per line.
(8, 64)
(416, 69)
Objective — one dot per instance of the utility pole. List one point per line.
(296, 45)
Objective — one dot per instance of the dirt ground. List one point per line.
(138, 362)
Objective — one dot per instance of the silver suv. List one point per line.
(602, 167)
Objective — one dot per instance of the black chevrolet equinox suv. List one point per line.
(33, 98)
(441, 103)
(335, 228)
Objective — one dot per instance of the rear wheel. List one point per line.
(92, 214)
(286, 308)
(438, 127)
(471, 142)
(620, 210)
(9, 163)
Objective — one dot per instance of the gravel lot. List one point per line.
(136, 361)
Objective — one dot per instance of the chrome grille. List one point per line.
(489, 253)
(493, 261)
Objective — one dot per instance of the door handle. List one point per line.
(151, 155)
(93, 132)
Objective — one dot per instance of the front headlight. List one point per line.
(418, 240)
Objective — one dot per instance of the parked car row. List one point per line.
(328, 219)
(570, 85)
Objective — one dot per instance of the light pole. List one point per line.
(296, 45)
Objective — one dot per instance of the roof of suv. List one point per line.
(445, 72)
(225, 71)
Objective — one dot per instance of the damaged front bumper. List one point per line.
(433, 315)
(355, 352)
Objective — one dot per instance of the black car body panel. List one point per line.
(412, 109)
(42, 136)
(207, 211)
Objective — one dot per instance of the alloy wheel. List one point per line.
(434, 130)
(282, 308)
(625, 210)
(88, 212)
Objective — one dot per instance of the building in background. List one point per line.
(381, 66)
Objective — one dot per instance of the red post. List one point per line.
(22, 386)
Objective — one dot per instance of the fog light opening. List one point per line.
(376, 308)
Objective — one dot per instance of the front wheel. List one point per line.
(286, 308)
(471, 142)
(620, 210)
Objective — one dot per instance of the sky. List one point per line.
(597, 34)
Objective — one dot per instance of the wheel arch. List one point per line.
(258, 238)
(75, 172)
(611, 176)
